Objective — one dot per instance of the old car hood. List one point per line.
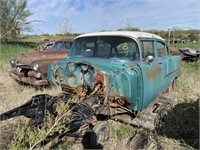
(74, 73)
(105, 65)
(31, 57)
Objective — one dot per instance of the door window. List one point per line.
(147, 49)
(161, 49)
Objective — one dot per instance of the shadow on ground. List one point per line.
(182, 123)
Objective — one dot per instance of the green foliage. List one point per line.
(176, 32)
(28, 136)
(120, 131)
(14, 14)
(129, 29)
(185, 45)
(193, 37)
(13, 49)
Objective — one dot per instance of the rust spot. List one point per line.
(98, 77)
(153, 73)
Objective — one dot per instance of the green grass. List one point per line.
(38, 39)
(13, 49)
(185, 45)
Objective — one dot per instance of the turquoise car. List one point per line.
(118, 75)
(132, 66)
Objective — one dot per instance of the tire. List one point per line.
(100, 135)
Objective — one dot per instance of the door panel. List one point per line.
(152, 75)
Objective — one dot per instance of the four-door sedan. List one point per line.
(133, 66)
(31, 67)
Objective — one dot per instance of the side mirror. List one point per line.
(149, 59)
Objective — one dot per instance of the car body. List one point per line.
(31, 67)
(134, 67)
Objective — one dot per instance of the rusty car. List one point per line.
(119, 75)
(31, 68)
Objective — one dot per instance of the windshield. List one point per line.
(105, 47)
(62, 45)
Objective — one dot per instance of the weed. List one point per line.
(30, 136)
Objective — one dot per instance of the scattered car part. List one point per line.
(190, 54)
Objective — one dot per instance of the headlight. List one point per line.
(35, 67)
(12, 62)
(19, 69)
(38, 75)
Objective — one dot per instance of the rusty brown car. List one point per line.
(31, 68)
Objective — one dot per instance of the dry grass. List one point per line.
(12, 95)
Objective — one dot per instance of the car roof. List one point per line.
(131, 34)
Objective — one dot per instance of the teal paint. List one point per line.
(138, 82)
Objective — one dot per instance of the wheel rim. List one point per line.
(103, 136)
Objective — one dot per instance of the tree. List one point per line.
(193, 37)
(13, 18)
(176, 34)
(64, 26)
(129, 26)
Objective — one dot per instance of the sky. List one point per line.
(95, 15)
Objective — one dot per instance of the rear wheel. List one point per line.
(100, 134)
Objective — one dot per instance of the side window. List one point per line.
(161, 49)
(147, 48)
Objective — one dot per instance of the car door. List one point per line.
(152, 72)
(165, 61)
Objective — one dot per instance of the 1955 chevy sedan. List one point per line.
(31, 68)
(135, 66)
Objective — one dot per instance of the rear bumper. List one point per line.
(29, 80)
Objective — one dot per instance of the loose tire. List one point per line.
(99, 135)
